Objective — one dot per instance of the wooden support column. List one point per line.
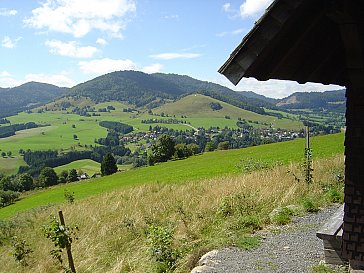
(353, 235)
(353, 228)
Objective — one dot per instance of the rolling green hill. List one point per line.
(208, 165)
(198, 107)
(142, 89)
(14, 100)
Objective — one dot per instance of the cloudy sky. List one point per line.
(66, 42)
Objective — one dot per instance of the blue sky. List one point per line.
(66, 42)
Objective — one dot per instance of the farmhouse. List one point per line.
(323, 42)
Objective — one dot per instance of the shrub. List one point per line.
(8, 197)
(7, 229)
(160, 241)
(21, 250)
(61, 236)
(69, 196)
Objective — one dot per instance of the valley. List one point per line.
(173, 140)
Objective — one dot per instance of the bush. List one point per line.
(8, 197)
(7, 229)
(21, 251)
(69, 196)
(160, 241)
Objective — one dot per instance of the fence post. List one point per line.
(68, 246)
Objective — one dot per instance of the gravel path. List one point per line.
(293, 248)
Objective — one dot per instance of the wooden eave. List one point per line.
(296, 40)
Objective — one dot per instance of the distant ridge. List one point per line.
(141, 89)
(331, 100)
(17, 99)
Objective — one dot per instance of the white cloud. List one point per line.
(79, 17)
(234, 32)
(5, 74)
(71, 49)
(106, 65)
(7, 42)
(171, 56)
(226, 7)
(274, 88)
(6, 80)
(8, 12)
(154, 68)
(253, 7)
(101, 41)
(56, 79)
(173, 16)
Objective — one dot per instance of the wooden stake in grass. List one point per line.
(68, 246)
(307, 164)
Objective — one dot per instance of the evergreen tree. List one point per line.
(108, 165)
(72, 176)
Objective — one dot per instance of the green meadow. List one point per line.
(198, 111)
(88, 166)
(207, 165)
(60, 126)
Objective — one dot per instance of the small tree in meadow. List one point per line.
(108, 165)
(72, 176)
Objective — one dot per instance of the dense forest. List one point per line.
(334, 101)
(6, 131)
(17, 99)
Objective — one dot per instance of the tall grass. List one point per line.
(201, 215)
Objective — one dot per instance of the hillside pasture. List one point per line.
(10, 165)
(198, 107)
(60, 135)
(207, 165)
(85, 165)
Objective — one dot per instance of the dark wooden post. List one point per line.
(68, 246)
(353, 227)
(307, 137)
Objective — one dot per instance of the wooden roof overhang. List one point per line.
(299, 40)
(317, 41)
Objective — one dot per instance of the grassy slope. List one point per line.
(204, 166)
(198, 107)
(201, 216)
(85, 165)
(9, 165)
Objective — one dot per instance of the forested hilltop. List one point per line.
(20, 98)
(151, 90)
(330, 100)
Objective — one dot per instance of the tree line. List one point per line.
(6, 131)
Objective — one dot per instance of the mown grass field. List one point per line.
(208, 165)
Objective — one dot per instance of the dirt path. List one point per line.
(293, 248)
